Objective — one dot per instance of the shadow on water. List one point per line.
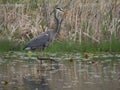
(75, 72)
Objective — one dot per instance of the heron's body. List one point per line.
(41, 41)
(44, 39)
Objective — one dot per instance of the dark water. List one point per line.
(19, 71)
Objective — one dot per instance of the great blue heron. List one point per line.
(44, 39)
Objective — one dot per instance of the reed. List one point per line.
(93, 21)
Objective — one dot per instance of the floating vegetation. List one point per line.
(4, 82)
(71, 59)
(86, 55)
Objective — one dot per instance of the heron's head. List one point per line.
(60, 13)
(60, 10)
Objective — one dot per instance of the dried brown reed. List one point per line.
(89, 20)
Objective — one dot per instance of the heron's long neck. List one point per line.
(58, 22)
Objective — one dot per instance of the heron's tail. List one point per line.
(26, 47)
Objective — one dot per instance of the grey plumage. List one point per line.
(45, 38)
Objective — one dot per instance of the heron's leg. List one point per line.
(40, 61)
(39, 55)
(45, 52)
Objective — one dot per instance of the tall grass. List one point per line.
(90, 22)
(71, 46)
(66, 46)
(9, 45)
(63, 46)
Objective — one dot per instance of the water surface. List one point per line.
(22, 71)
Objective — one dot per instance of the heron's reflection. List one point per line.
(38, 80)
(36, 84)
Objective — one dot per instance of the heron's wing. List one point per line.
(39, 42)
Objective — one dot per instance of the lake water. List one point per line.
(73, 71)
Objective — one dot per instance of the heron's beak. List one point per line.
(66, 12)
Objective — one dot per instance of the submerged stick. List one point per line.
(47, 59)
